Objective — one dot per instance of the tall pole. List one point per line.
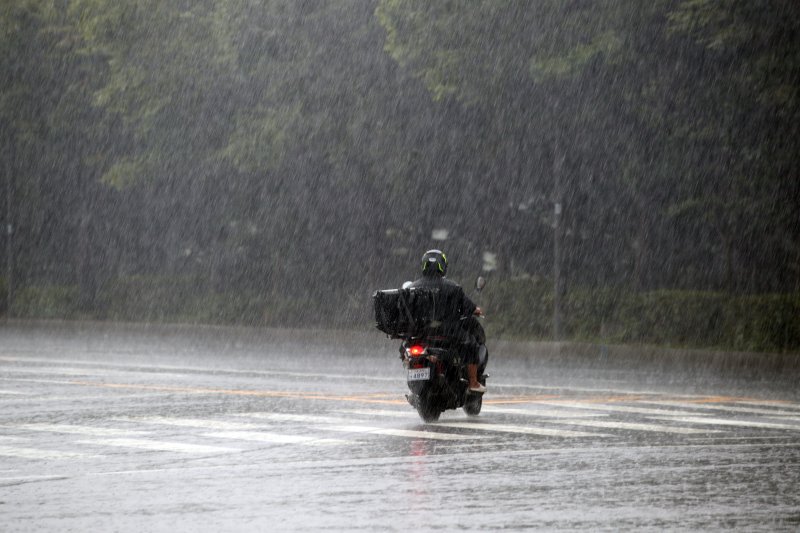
(557, 272)
(9, 228)
(558, 198)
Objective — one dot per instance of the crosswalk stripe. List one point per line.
(61, 370)
(616, 408)
(408, 414)
(773, 403)
(160, 446)
(34, 453)
(635, 426)
(400, 432)
(182, 370)
(80, 430)
(80, 398)
(582, 421)
(730, 422)
(196, 423)
(503, 428)
(47, 381)
(343, 424)
(27, 479)
(412, 415)
(728, 408)
(547, 413)
(786, 418)
(273, 438)
(285, 417)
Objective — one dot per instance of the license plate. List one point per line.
(419, 374)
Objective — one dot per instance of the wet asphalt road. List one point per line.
(136, 428)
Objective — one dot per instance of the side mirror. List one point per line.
(480, 283)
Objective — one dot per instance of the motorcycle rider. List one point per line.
(452, 305)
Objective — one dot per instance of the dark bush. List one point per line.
(517, 309)
(3, 295)
(522, 308)
(47, 301)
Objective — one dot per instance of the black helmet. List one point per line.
(434, 262)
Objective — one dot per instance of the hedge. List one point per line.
(48, 301)
(771, 322)
(175, 298)
(3, 294)
(517, 308)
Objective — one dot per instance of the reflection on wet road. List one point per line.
(101, 433)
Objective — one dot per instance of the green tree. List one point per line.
(742, 134)
(57, 140)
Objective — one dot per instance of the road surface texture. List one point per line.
(152, 428)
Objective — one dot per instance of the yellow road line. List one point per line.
(368, 398)
(391, 399)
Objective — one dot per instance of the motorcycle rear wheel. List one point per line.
(428, 412)
(473, 404)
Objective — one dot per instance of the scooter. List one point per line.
(435, 370)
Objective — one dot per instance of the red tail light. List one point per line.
(416, 350)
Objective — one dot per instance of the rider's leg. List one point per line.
(472, 368)
(472, 374)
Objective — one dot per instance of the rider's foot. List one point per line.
(477, 388)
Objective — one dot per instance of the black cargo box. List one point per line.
(403, 312)
(392, 314)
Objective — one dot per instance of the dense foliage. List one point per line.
(520, 309)
(277, 160)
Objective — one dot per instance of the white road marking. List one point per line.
(633, 426)
(503, 428)
(48, 381)
(79, 398)
(14, 393)
(160, 446)
(547, 413)
(195, 423)
(182, 468)
(80, 430)
(61, 370)
(400, 432)
(291, 467)
(343, 425)
(773, 403)
(183, 369)
(712, 440)
(599, 390)
(34, 453)
(786, 418)
(27, 479)
(582, 421)
(467, 446)
(407, 414)
(274, 438)
(728, 408)
(731, 422)
(412, 415)
(285, 417)
(615, 408)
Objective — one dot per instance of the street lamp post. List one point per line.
(558, 198)
(9, 227)
(557, 271)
